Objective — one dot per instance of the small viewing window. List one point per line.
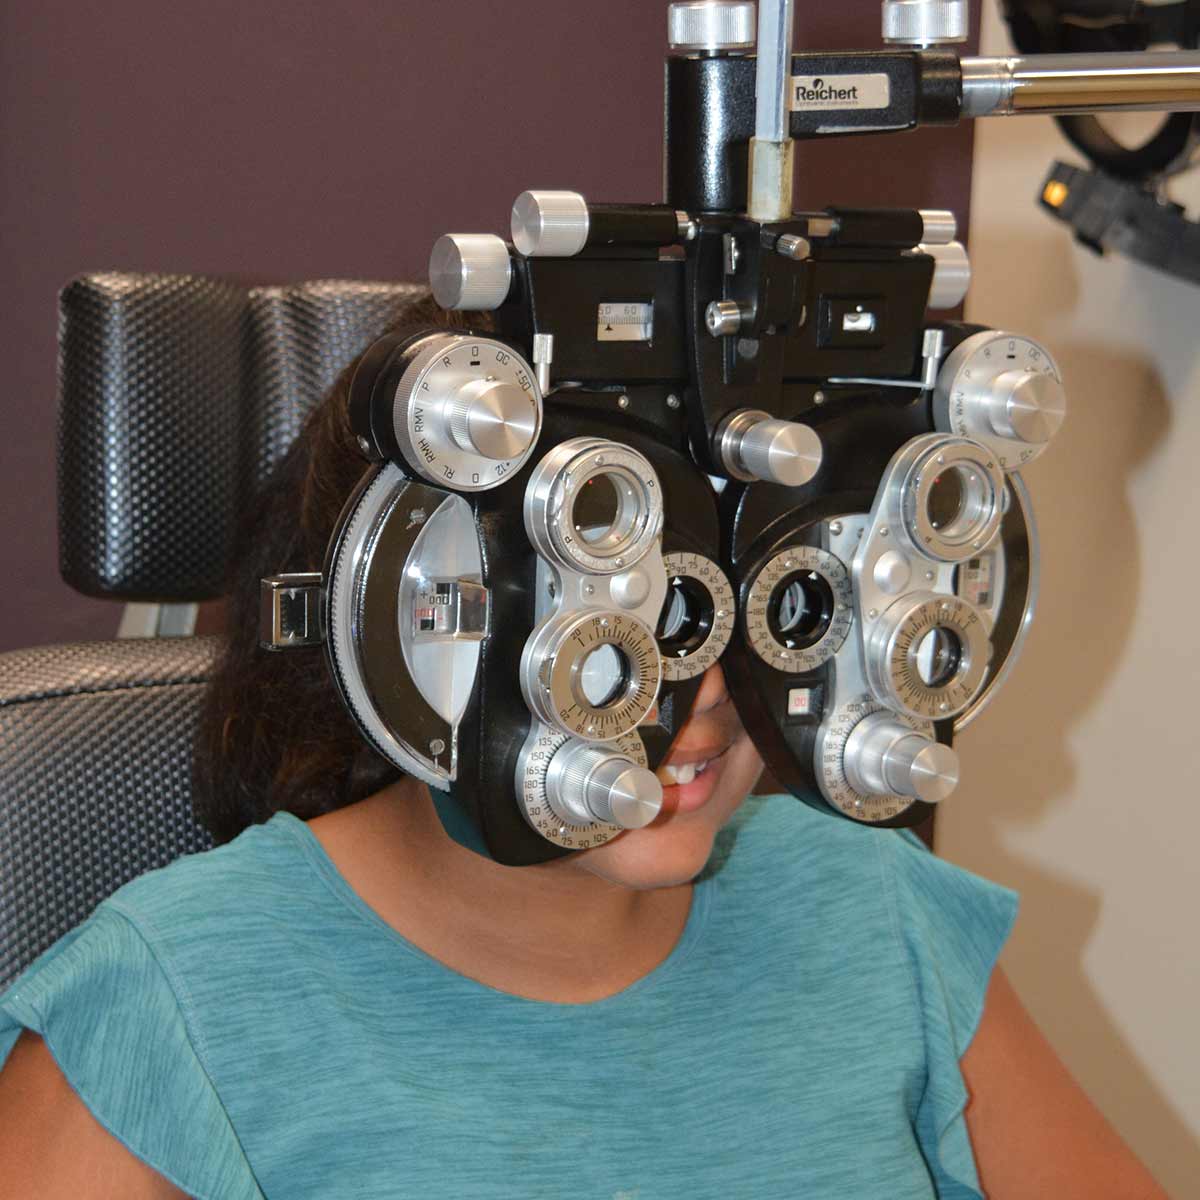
(858, 321)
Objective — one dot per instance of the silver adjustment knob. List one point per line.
(467, 411)
(491, 417)
(550, 224)
(470, 271)
(1003, 390)
(925, 22)
(589, 785)
(1026, 406)
(754, 445)
(951, 274)
(939, 226)
(711, 26)
(724, 317)
(884, 756)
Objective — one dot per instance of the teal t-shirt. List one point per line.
(244, 1023)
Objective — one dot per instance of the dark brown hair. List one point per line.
(273, 734)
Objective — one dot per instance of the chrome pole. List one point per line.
(1049, 84)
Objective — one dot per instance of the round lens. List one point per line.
(801, 610)
(687, 617)
(607, 513)
(946, 498)
(596, 509)
(959, 503)
(603, 676)
(939, 655)
(676, 613)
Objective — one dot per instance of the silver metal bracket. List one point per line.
(932, 348)
(447, 610)
(290, 611)
(543, 359)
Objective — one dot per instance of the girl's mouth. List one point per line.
(688, 786)
(681, 773)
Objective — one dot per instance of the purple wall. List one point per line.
(279, 141)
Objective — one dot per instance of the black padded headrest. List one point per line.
(178, 395)
(95, 778)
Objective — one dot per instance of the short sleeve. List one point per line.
(107, 1012)
(951, 925)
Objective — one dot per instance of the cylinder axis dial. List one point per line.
(885, 756)
(697, 619)
(1002, 390)
(540, 758)
(838, 762)
(467, 411)
(595, 785)
(799, 609)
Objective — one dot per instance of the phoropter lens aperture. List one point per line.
(800, 610)
(604, 676)
(607, 511)
(593, 506)
(939, 656)
(686, 619)
(952, 499)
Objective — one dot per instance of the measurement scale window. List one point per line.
(624, 322)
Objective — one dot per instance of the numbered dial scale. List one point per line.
(467, 411)
(928, 655)
(799, 609)
(697, 620)
(1003, 390)
(594, 674)
(831, 763)
(533, 766)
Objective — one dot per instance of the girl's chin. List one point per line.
(659, 856)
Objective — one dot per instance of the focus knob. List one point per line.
(712, 26)
(1003, 390)
(491, 417)
(756, 446)
(550, 224)
(884, 756)
(925, 22)
(470, 271)
(951, 274)
(1026, 406)
(590, 785)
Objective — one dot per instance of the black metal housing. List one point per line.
(710, 113)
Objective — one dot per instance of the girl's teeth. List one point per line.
(681, 774)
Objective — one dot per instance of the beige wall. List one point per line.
(1081, 782)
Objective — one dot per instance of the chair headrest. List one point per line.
(178, 395)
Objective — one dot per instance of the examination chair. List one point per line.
(177, 396)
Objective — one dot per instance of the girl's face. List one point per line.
(709, 772)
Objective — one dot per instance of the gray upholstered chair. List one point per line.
(177, 396)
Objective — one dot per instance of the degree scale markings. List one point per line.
(684, 565)
(592, 629)
(831, 764)
(532, 791)
(797, 561)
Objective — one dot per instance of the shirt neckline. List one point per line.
(328, 873)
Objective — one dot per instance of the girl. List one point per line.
(744, 999)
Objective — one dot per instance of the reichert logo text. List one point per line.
(819, 92)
